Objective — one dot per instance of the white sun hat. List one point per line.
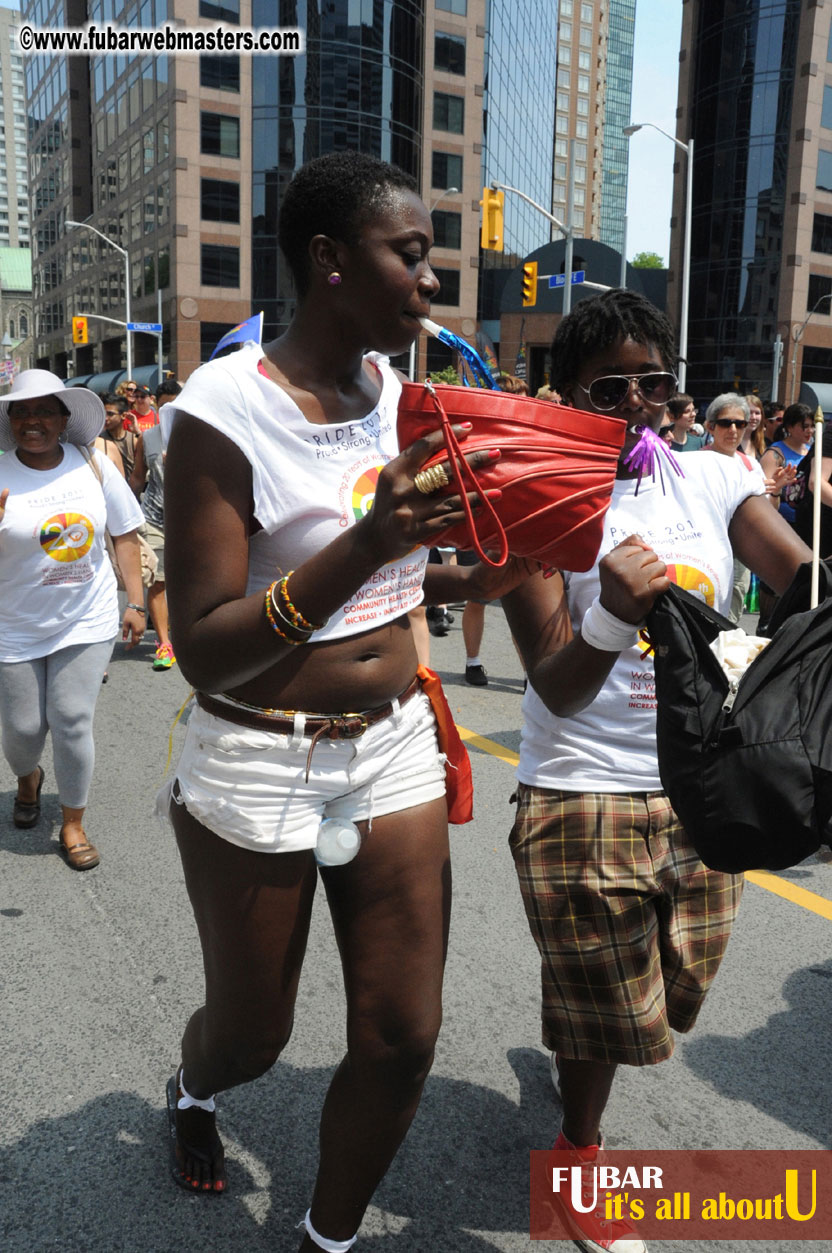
(86, 411)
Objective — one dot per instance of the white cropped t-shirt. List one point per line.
(310, 481)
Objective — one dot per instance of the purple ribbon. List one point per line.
(643, 458)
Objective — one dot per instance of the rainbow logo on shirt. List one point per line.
(364, 491)
(66, 536)
(693, 580)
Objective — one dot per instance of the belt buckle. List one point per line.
(349, 730)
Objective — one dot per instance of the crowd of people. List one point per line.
(301, 612)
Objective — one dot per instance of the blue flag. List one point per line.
(252, 329)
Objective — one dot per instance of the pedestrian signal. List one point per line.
(80, 331)
(530, 283)
(491, 233)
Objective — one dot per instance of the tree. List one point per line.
(647, 261)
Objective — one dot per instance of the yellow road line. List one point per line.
(769, 882)
(791, 892)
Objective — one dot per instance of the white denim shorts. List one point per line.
(248, 786)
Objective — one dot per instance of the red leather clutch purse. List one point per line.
(556, 472)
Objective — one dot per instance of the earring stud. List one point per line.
(334, 278)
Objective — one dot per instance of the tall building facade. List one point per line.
(755, 94)
(594, 89)
(14, 199)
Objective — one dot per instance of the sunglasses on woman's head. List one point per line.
(739, 423)
(612, 389)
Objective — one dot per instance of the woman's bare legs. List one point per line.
(391, 910)
(252, 911)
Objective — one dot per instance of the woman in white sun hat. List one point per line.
(58, 599)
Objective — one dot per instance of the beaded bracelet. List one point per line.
(297, 618)
(282, 616)
(270, 615)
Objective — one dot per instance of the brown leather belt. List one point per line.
(346, 726)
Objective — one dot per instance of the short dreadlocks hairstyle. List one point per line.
(595, 324)
(333, 195)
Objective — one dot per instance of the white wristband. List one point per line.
(601, 629)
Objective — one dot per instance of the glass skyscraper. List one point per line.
(617, 98)
(359, 85)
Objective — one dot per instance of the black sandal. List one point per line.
(26, 813)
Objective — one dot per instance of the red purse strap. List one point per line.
(462, 470)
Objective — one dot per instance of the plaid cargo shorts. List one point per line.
(631, 926)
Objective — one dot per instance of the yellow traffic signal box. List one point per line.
(491, 233)
(530, 283)
(80, 331)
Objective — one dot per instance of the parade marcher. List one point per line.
(630, 925)
(59, 608)
(288, 593)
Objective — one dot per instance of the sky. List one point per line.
(655, 86)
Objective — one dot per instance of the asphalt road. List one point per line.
(100, 971)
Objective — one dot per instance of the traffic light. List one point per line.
(80, 331)
(530, 283)
(491, 233)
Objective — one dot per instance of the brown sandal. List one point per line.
(80, 856)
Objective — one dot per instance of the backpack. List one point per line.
(746, 766)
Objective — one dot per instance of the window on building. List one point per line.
(561, 148)
(11, 328)
(824, 178)
(566, 8)
(562, 124)
(446, 170)
(449, 53)
(583, 106)
(582, 130)
(559, 194)
(580, 173)
(564, 78)
(460, 7)
(583, 83)
(564, 54)
(586, 13)
(24, 325)
(826, 109)
(584, 61)
(222, 11)
(562, 102)
(448, 112)
(447, 228)
(565, 32)
(820, 286)
(220, 134)
(220, 200)
(210, 334)
(220, 266)
(822, 233)
(221, 73)
(580, 197)
(580, 152)
(586, 37)
(448, 293)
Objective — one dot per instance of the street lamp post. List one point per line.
(85, 226)
(683, 327)
(798, 335)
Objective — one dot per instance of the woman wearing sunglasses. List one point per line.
(630, 925)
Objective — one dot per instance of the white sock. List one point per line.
(330, 1246)
(473, 661)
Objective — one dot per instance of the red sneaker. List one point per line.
(593, 1232)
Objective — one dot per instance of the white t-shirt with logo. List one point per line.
(310, 481)
(610, 746)
(57, 586)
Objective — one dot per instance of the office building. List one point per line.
(594, 89)
(14, 198)
(755, 94)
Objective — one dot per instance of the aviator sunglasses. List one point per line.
(611, 390)
(739, 423)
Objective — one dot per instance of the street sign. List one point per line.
(559, 280)
(152, 328)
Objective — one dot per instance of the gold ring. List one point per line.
(429, 481)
